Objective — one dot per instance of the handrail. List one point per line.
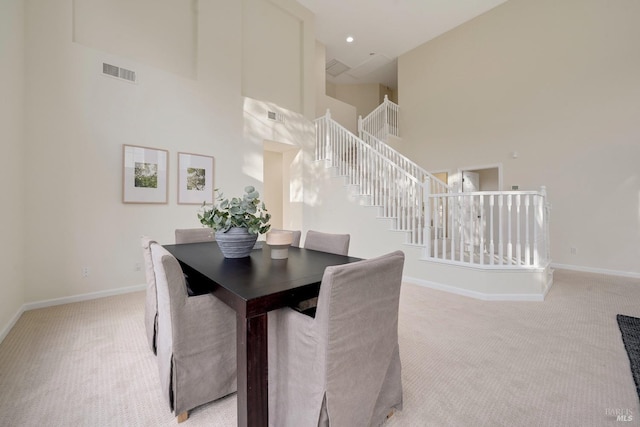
(484, 229)
(437, 185)
(382, 121)
(492, 229)
(388, 110)
(374, 173)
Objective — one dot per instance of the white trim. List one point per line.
(11, 324)
(67, 300)
(505, 268)
(477, 168)
(474, 294)
(631, 274)
(82, 297)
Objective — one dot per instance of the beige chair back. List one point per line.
(341, 368)
(196, 339)
(296, 236)
(194, 235)
(327, 242)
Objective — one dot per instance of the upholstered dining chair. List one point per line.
(151, 299)
(341, 368)
(327, 242)
(324, 242)
(194, 235)
(196, 340)
(296, 236)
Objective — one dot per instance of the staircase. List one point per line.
(381, 122)
(497, 230)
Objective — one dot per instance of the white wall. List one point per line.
(277, 43)
(103, 25)
(286, 138)
(78, 120)
(13, 170)
(273, 183)
(558, 82)
(365, 97)
(341, 112)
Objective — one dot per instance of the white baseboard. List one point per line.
(596, 270)
(473, 294)
(11, 324)
(66, 300)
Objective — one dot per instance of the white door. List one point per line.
(470, 181)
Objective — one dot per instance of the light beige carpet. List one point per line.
(465, 362)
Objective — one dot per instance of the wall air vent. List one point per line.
(120, 73)
(334, 67)
(276, 117)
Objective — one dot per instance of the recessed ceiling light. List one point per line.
(350, 39)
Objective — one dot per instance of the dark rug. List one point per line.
(630, 330)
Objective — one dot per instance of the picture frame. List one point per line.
(144, 174)
(195, 179)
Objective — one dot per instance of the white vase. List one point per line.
(236, 242)
(279, 242)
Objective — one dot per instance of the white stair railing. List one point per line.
(437, 186)
(487, 229)
(399, 195)
(501, 229)
(381, 122)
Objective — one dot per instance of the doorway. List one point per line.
(489, 178)
(277, 161)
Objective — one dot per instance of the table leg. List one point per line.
(253, 393)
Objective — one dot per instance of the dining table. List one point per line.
(253, 286)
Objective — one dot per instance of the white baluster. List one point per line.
(444, 203)
(491, 245)
(518, 243)
(509, 243)
(461, 220)
(370, 172)
(436, 219)
(537, 202)
(546, 208)
(500, 229)
(481, 230)
(454, 219)
(527, 252)
(374, 177)
(472, 220)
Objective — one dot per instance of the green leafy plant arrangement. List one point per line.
(246, 212)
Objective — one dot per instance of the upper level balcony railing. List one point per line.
(381, 122)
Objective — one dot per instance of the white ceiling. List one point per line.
(384, 30)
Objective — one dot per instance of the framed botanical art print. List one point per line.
(195, 179)
(144, 175)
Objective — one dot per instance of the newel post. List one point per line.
(360, 126)
(546, 207)
(386, 118)
(427, 218)
(323, 142)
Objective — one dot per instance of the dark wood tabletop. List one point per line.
(253, 286)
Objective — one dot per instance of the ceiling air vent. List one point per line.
(120, 73)
(373, 63)
(335, 68)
